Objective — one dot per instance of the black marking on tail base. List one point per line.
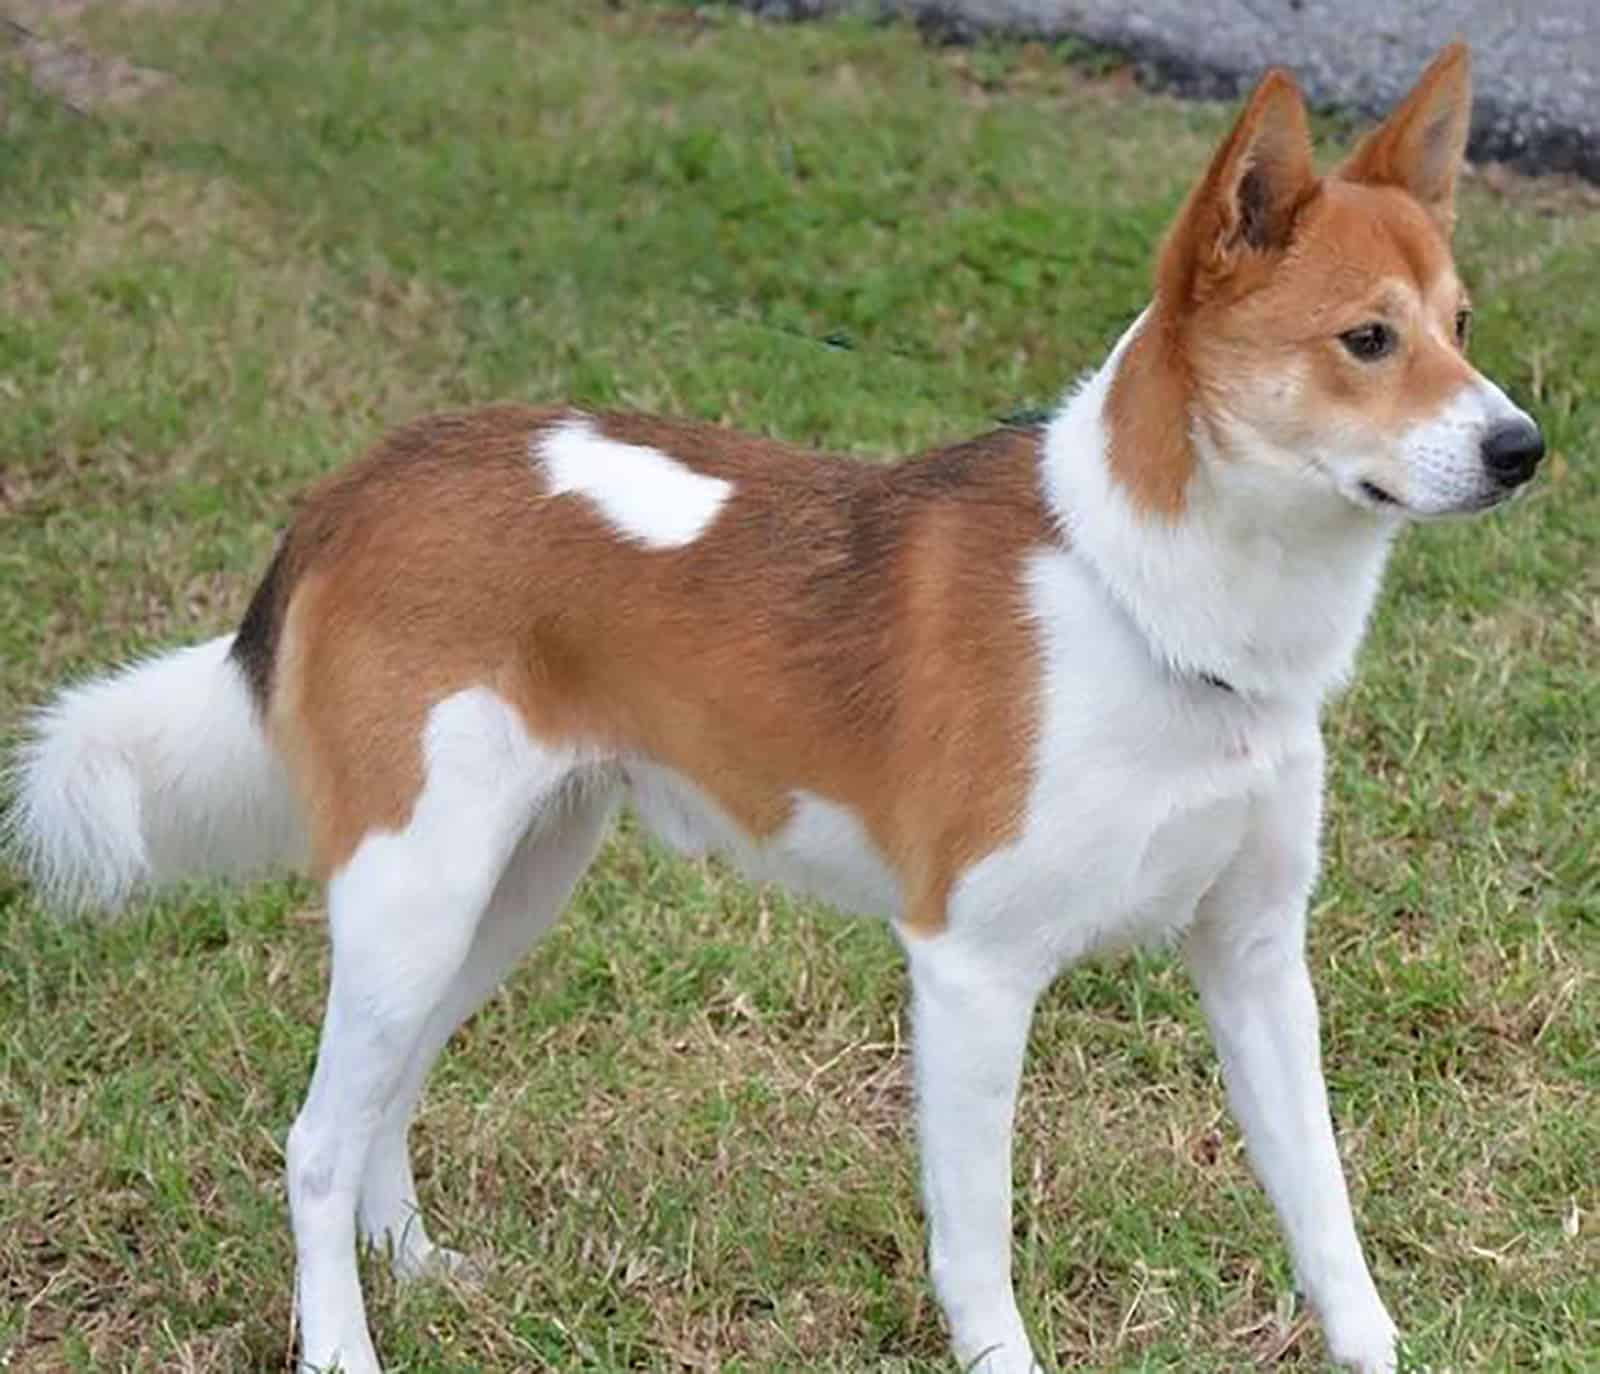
(255, 647)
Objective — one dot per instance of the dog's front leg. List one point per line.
(1246, 953)
(970, 1027)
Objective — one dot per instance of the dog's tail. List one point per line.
(148, 776)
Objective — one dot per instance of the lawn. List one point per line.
(680, 1139)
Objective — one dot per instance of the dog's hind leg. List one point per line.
(403, 914)
(531, 895)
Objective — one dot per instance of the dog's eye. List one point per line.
(1369, 342)
(1463, 327)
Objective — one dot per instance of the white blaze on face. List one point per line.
(645, 495)
(1441, 458)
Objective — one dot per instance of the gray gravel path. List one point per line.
(1536, 62)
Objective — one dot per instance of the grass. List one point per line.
(682, 1131)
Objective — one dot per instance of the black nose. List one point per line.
(1512, 450)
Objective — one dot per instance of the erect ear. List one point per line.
(1246, 203)
(1420, 146)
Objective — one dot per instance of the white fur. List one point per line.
(531, 893)
(1442, 457)
(1148, 787)
(823, 850)
(1246, 952)
(148, 775)
(1141, 785)
(971, 1005)
(646, 495)
(417, 945)
(1259, 582)
(1162, 805)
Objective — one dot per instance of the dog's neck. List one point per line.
(1258, 579)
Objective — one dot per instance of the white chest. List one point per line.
(1145, 787)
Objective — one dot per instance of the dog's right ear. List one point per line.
(1244, 208)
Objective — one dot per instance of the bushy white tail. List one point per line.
(151, 775)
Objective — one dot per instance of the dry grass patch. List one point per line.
(83, 80)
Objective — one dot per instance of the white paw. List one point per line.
(1004, 1364)
(430, 1262)
(361, 1362)
(1367, 1346)
(1006, 1357)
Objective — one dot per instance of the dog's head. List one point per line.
(1320, 320)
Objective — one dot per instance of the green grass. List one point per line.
(682, 1133)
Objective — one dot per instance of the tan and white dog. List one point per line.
(1040, 693)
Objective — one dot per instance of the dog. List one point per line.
(1048, 691)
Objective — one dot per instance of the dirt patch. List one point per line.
(85, 80)
(46, 38)
(32, 11)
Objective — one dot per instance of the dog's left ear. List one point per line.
(1420, 146)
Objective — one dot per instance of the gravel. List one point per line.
(1536, 63)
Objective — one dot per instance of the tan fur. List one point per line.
(1419, 147)
(1360, 254)
(853, 631)
(1147, 419)
(1224, 245)
(1267, 265)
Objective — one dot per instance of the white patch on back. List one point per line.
(646, 495)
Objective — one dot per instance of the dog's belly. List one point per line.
(823, 851)
(1112, 874)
